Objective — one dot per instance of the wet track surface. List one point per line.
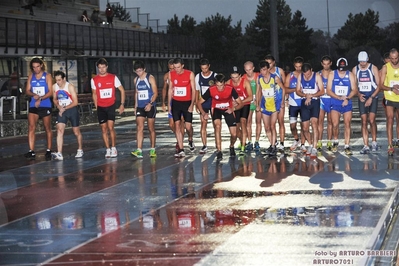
(288, 210)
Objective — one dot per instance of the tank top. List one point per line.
(268, 101)
(366, 80)
(309, 86)
(293, 98)
(325, 81)
(222, 99)
(252, 83)
(144, 91)
(39, 87)
(204, 84)
(391, 79)
(105, 87)
(63, 96)
(340, 86)
(181, 86)
(241, 91)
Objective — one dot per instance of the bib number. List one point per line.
(142, 95)
(105, 93)
(268, 93)
(180, 91)
(39, 91)
(341, 90)
(222, 105)
(365, 86)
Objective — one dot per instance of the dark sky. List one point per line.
(315, 11)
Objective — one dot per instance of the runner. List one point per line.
(145, 107)
(222, 96)
(368, 81)
(252, 76)
(325, 104)
(243, 88)
(310, 88)
(341, 86)
(203, 81)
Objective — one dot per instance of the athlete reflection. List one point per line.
(222, 96)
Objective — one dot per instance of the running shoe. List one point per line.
(329, 145)
(268, 150)
(57, 156)
(153, 153)
(108, 153)
(319, 145)
(47, 155)
(280, 147)
(181, 154)
(295, 145)
(191, 145)
(256, 146)
(219, 155)
(232, 152)
(79, 154)
(348, 151)
(249, 146)
(309, 151)
(238, 148)
(203, 150)
(313, 153)
(114, 152)
(303, 148)
(395, 143)
(138, 153)
(365, 150)
(273, 151)
(335, 147)
(241, 153)
(391, 150)
(374, 146)
(30, 155)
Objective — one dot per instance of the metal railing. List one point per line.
(27, 37)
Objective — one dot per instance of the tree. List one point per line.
(293, 33)
(121, 13)
(222, 41)
(359, 30)
(184, 27)
(391, 33)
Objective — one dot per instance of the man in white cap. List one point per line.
(368, 86)
(341, 86)
(390, 85)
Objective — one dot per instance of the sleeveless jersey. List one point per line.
(181, 86)
(241, 91)
(63, 96)
(204, 83)
(268, 101)
(324, 80)
(340, 86)
(392, 78)
(366, 80)
(309, 86)
(252, 82)
(39, 87)
(144, 91)
(105, 87)
(222, 99)
(293, 98)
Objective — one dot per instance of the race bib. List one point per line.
(268, 93)
(184, 222)
(180, 91)
(39, 91)
(105, 93)
(393, 82)
(309, 91)
(222, 105)
(142, 95)
(365, 86)
(204, 89)
(64, 102)
(341, 90)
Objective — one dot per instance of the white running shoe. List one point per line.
(57, 156)
(108, 153)
(79, 154)
(114, 152)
